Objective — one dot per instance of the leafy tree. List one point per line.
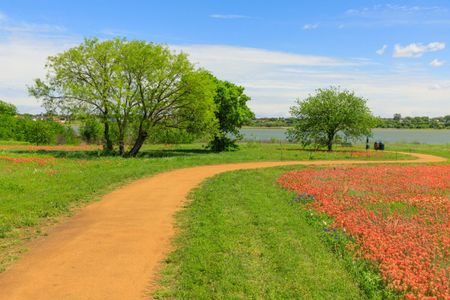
(397, 117)
(91, 130)
(132, 86)
(232, 112)
(7, 109)
(321, 117)
(7, 120)
(40, 132)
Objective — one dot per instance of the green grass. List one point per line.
(439, 150)
(240, 238)
(32, 195)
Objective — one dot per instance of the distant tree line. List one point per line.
(415, 122)
(395, 122)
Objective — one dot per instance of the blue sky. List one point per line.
(395, 54)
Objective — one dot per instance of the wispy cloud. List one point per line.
(417, 49)
(311, 26)
(382, 50)
(396, 15)
(393, 8)
(445, 85)
(437, 63)
(11, 26)
(228, 16)
(237, 55)
(117, 32)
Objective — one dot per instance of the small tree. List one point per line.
(91, 130)
(7, 120)
(40, 132)
(232, 112)
(321, 117)
(7, 109)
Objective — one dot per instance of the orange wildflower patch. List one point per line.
(52, 148)
(398, 215)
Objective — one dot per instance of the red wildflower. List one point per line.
(399, 215)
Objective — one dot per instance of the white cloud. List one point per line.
(389, 15)
(275, 79)
(219, 16)
(381, 50)
(11, 26)
(440, 86)
(310, 26)
(400, 10)
(23, 59)
(437, 63)
(231, 55)
(417, 49)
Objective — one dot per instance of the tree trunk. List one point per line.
(142, 136)
(121, 141)
(108, 145)
(330, 141)
(121, 146)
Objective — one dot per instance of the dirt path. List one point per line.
(112, 248)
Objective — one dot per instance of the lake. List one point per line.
(423, 136)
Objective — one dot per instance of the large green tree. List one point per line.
(132, 85)
(320, 118)
(231, 112)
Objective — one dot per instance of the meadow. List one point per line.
(38, 187)
(243, 235)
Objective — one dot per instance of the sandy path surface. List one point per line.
(111, 249)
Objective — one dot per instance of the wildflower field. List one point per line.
(397, 217)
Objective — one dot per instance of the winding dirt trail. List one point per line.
(111, 249)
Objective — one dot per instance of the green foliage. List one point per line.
(39, 132)
(7, 127)
(132, 86)
(270, 122)
(231, 112)
(91, 130)
(7, 109)
(396, 122)
(415, 122)
(321, 117)
(23, 128)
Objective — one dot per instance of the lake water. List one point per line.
(423, 136)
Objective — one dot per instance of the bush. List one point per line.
(91, 130)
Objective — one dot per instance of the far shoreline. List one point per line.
(415, 129)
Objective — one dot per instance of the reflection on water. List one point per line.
(423, 136)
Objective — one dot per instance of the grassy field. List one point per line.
(36, 187)
(241, 238)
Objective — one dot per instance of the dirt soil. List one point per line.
(112, 249)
